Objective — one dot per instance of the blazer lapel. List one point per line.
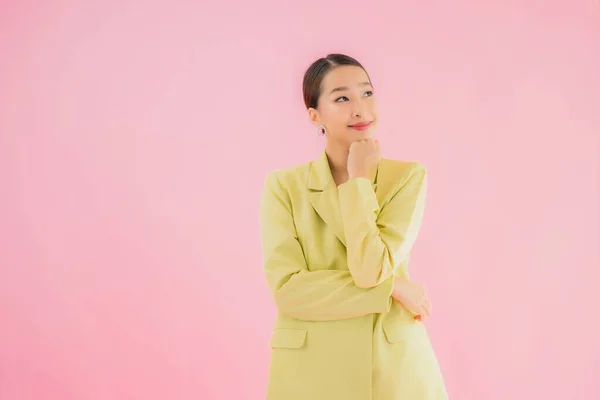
(323, 195)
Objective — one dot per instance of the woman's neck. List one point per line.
(338, 162)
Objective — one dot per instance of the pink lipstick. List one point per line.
(361, 126)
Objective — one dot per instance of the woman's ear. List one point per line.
(313, 114)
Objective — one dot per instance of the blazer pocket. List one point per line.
(288, 338)
(396, 331)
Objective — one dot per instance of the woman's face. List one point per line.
(347, 106)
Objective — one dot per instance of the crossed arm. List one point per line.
(377, 240)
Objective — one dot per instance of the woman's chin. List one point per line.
(358, 134)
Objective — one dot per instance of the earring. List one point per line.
(321, 130)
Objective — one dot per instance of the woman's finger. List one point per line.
(428, 303)
(426, 307)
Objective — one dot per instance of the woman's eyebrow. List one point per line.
(342, 88)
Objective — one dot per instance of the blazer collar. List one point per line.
(321, 178)
(323, 195)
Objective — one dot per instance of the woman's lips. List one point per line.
(361, 126)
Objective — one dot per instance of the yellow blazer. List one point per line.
(330, 256)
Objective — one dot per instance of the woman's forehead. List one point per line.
(345, 76)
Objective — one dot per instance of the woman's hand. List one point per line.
(363, 158)
(412, 296)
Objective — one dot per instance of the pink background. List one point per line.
(135, 136)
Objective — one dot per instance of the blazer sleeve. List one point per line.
(299, 293)
(378, 240)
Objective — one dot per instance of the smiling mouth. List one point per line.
(361, 126)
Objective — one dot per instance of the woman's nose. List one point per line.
(359, 109)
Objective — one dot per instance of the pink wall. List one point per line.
(134, 138)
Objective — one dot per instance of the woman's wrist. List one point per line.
(397, 286)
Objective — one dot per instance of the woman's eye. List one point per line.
(341, 99)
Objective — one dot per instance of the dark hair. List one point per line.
(311, 84)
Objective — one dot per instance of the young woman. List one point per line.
(336, 239)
